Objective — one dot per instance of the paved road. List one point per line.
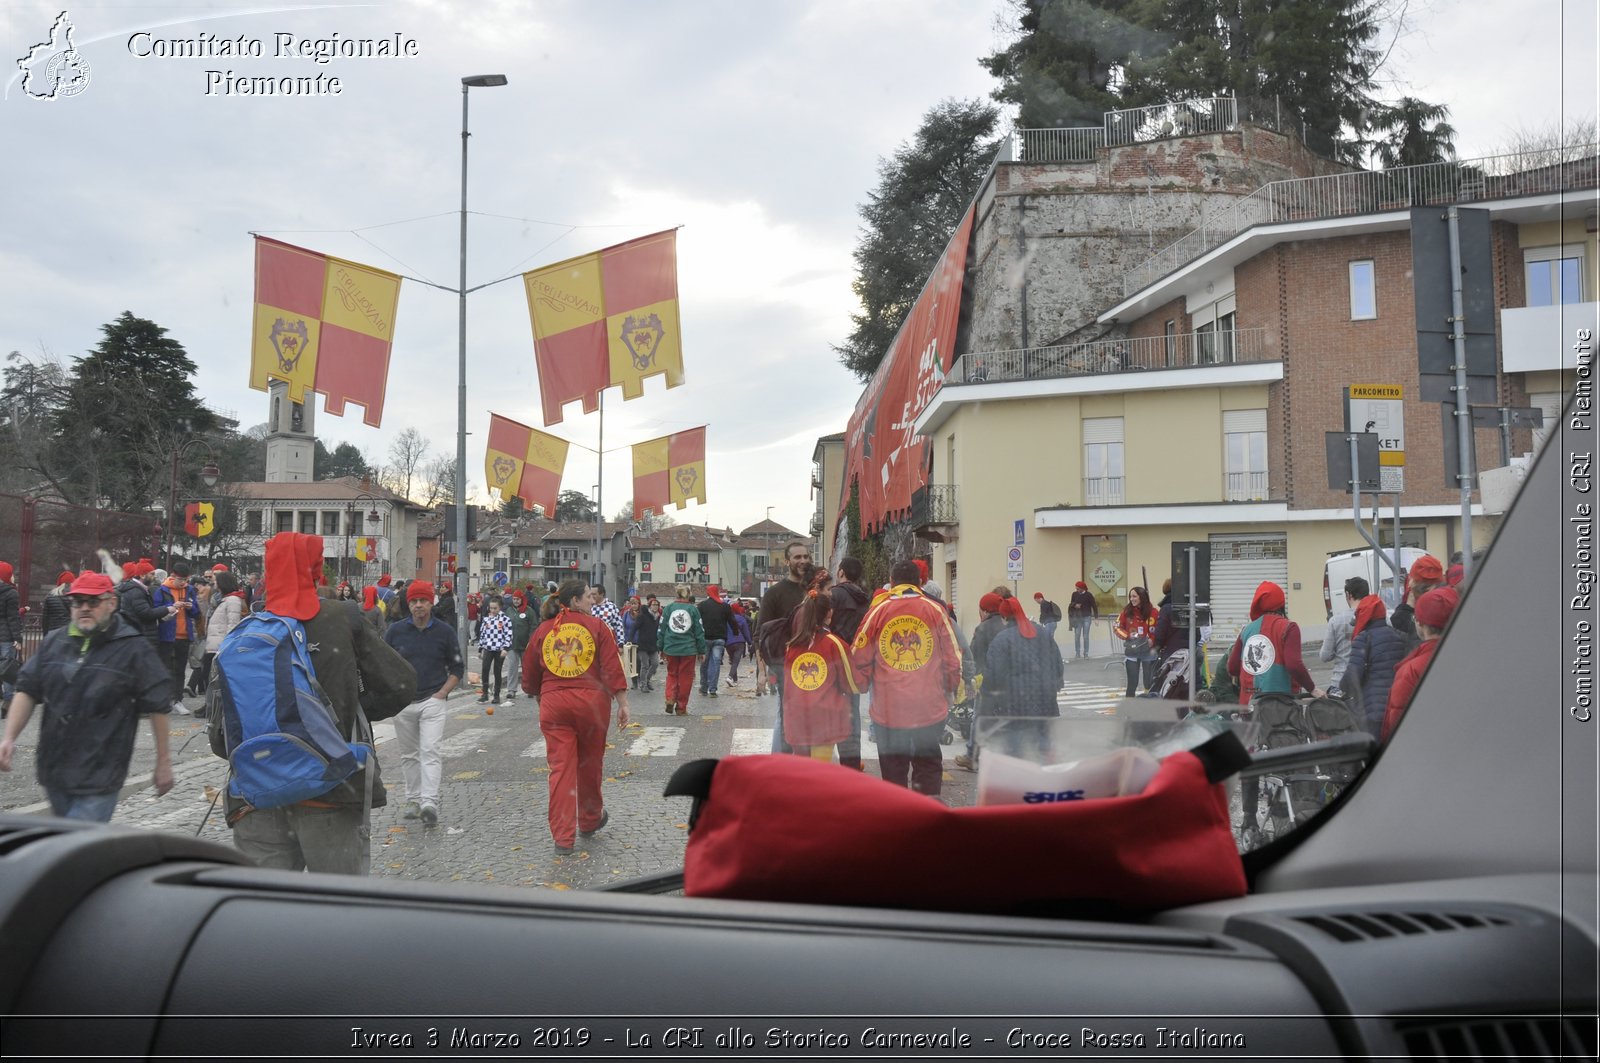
(493, 824)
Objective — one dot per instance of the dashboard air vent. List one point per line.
(1377, 925)
(1510, 1037)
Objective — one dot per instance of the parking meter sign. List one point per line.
(1014, 563)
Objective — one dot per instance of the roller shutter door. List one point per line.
(1238, 565)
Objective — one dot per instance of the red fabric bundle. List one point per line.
(782, 828)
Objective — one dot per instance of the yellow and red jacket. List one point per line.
(572, 661)
(817, 684)
(906, 651)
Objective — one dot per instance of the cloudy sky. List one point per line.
(756, 127)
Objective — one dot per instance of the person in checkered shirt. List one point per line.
(494, 639)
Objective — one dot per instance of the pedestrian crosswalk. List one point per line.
(1078, 698)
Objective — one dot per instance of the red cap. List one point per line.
(1082, 586)
(65, 577)
(5, 571)
(990, 603)
(219, 568)
(1268, 599)
(1437, 606)
(91, 584)
(1038, 596)
(369, 597)
(446, 585)
(419, 588)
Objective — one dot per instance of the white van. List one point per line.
(1343, 564)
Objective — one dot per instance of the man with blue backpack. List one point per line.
(294, 690)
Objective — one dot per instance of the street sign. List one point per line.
(1014, 563)
(501, 579)
(1380, 409)
(1337, 447)
(1432, 298)
(1019, 527)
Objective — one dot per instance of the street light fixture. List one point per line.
(475, 81)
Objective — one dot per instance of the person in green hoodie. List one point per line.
(683, 640)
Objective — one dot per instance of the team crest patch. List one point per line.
(503, 468)
(569, 650)
(1259, 654)
(680, 621)
(642, 336)
(809, 671)
(905, 644)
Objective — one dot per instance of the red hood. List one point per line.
(294, 568)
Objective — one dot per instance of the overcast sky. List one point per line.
(755, 126)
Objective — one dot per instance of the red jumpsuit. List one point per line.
(817, 684)
(572, 666)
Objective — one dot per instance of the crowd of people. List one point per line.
(818, 641)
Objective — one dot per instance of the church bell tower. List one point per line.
(291, 441)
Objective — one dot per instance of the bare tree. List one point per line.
(407, 455)
(440, 482)
(1551, 143)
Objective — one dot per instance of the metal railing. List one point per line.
(1246, 486)
(1139, 125)
(934, 505)
(1373, 192)
(1060, 145)
(1180, 119)
(1102, 491)
(1177, 351)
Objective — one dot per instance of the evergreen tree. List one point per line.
(921, 195)
(574, 506)
(345, 459)
(1058, 73)
(129, 406)
(1411, 132)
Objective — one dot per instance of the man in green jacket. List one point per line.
(683, 640)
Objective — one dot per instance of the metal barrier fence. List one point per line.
(1137, 125)
(41, 538)
(1177, 351)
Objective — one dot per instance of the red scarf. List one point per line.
(1368, 609)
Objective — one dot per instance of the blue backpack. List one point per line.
(271, 719)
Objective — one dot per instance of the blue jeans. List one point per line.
(93, 807)
(1080, 637)
(711, 667)
(779, 743)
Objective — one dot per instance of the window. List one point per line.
(682, 559)
(1244, 437)
(1102, 461)
(1170, 336)
(285, 520)
(1554, 275)
(252, 522)
(330, 522)
(1214, 326)
(1363, 291)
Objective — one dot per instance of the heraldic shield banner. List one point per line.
(669, 469)
(525, 462)
(323, 324)
(606, 318)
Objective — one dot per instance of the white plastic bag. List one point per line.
(1006, 780)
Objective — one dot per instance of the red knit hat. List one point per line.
(369, 597)
(5, 571)
(1038, 596)
(384, 580)
(419, 589)
(1012, 609)
(1082, 586)
(294, 568)
(65, 577)
(1437, 606)
(1268, 599)
(219, 568)
(990, 603)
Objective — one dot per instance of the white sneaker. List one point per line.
(180, 709)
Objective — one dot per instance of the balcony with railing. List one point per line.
(1178, 351)
(1375, 192)
(1102, 491)
(934, 512)
(1246, 486)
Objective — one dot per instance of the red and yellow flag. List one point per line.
(669, 469)
(525, 462)
(199, 519)
(323, 324)
(606, 318)
(366, 548)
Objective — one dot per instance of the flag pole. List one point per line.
(599, 489)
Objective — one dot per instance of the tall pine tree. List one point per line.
(909, 218)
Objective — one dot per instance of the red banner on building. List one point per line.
(883, 454)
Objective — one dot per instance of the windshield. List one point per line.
(752, 308)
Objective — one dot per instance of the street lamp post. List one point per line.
(209, 475)
(477, 81)
(373, 517)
